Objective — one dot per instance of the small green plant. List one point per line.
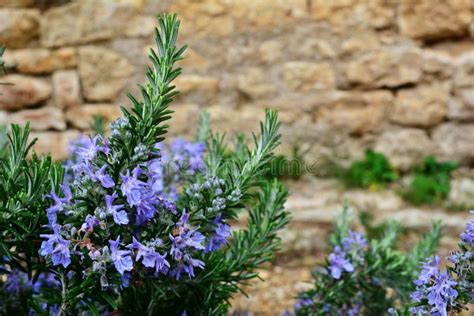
(374, 172)
(431, 182)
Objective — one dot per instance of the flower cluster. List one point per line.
(128, 203)
(439, 292)
(362, 276)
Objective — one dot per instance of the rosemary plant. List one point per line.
(134, 226)
(365, 277)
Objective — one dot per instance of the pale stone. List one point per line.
(263, 13)
(385, 68)
(221, 18)
(356, 113)
(359, 42)
(3, 118)
(138, 26)
(133, 50)
(18, 27)
(62, 25)
(419, 218)
(192, 59)
(376, 14)
(464, 75)
(467, 96)
(462, 108)
(56, 143)
(404, 147)
(462, 192)
(185, 119)
(426, 20)
(270, 51)
(157, 6)
(23, 91)
(92, 20)
(191, 84)
(103, 73)
(437, 65)
(289, 116)
(461, 105)
(81, 117)
(336, 147)
(136, 3)
(300, 241)
(423, 106)
(381, 201)
(41, 60)
(254, 84)
(312, 48)
(306, 76)
(455, 142)
(40, 119)
(223, 119)
(66, 89)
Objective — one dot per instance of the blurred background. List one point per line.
(376, 98)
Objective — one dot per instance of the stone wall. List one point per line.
(346, 75)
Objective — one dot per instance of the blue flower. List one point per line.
(88, 149)
(355, 310)
(121, 258)
(436, 287)
(339, 263)
(59, 203)
(140, 195)
(188, 156)
(219, 238)
(90, 222)
(302, 302)
(104, 179)
(17, 281)
(441, 293)
(187, 265)
(183, 243)
(417, 296)
(468, 235)
(156, 177)
(354, 240)
(132, 188)
(185, 237)
(57, 247)
(61, 254)
(120, 216)
(150, 258)
(430, 269)
(417, 310)
(125, 280)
